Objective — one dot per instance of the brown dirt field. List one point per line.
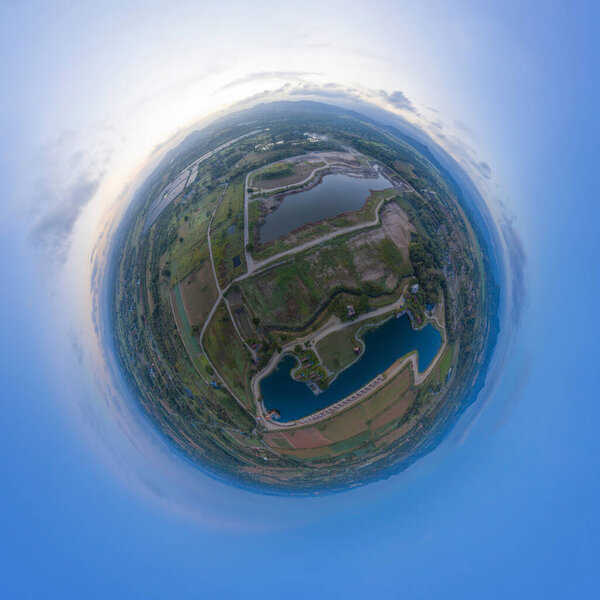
(346, 424)
(395, 224)
(395, 411)
(386, 397)
(308, 437)
(277, 440)
(366, 257)
(243, 322)
(199, 293)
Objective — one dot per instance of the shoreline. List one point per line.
(328, 411)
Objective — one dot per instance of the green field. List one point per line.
(188, 234)
(227, 235)
(228, 354)
(292, 293)
(276, 171)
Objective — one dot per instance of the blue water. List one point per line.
(383, 346)
(336, 194)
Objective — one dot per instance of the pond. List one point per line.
(337, 193)
(383, 346)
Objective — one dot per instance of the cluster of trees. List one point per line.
(425, 260)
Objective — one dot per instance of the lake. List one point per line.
(337, 193)
(383, 346)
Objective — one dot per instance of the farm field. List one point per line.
(225, 349)
(189, 249)
(199, 293)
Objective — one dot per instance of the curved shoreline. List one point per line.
(359, 394)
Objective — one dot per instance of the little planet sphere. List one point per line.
(303, 298)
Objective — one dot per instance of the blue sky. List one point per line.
(507, 507)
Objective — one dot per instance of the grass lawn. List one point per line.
(445, 362)
(290, 294)
(337, 349)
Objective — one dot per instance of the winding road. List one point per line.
(334, 324)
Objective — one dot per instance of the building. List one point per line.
(351, 311)
(415, 288)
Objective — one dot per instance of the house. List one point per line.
(414, 288)
(351, 311)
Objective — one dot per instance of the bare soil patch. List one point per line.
(308, 437)
(395, 225)
(199, 293)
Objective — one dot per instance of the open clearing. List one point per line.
(337, 349)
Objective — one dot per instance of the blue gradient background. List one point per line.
(506, 507)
